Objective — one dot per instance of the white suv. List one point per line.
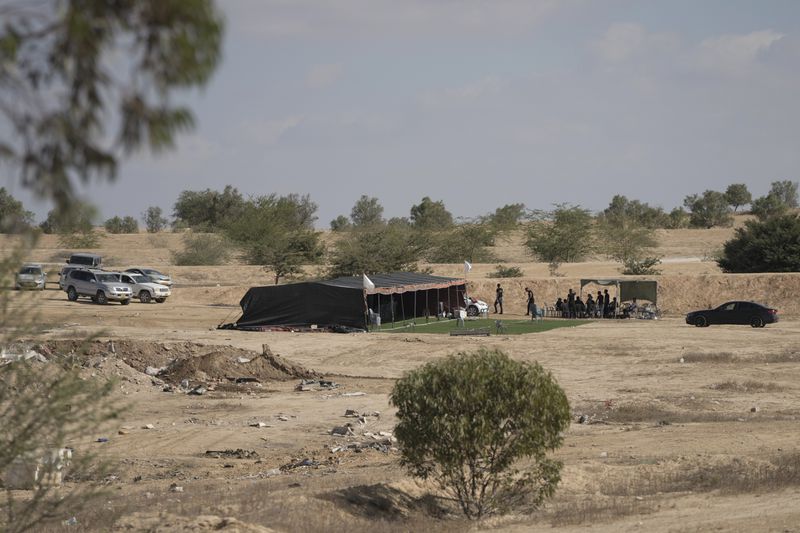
(144, 289)
(100, 286)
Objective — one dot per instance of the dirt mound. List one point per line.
(233, 365)
(163, 522)
(195, 362)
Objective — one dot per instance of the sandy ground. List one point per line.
(687, 429)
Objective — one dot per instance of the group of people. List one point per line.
(530, 307)
(574, 307)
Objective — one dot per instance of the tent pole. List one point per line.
(402, 306)
(391, 301)
(427, 308)
(415, 307)
(379, 306)
(449, 302)
(366, 310)
(438, 301)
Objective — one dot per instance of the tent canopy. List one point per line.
(629, 289)
(343, 301)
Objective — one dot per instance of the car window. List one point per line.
(30, 270)
(140, 279)
(107, 278)
(729, 307)
(151, 272)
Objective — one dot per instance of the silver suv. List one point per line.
(98, 285)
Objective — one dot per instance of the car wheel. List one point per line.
(144, 297)
(101, 298)
(161, 300)
(757, 322)
(72, 294)
(472, 311)
(701, 321)
(125, 302)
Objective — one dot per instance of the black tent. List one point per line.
(344, 301)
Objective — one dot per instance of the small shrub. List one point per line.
(201, 250)
(466, 422)
(121, 225)
(505, 272)
(641, 267)
(80, 240)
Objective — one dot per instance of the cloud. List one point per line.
(464, 94)
(321, 76)
(734, 54)
(270, 132)
(349, 18)
(625, 41)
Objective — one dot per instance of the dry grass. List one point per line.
(710, 357)
(746, 386)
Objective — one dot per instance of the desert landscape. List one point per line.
(675, 428)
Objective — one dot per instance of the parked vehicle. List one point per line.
(62, 276)
(144, 289)
(100, 286)
(476, 307)
(153, 274)
(751, 313)
(31, 276)
(87, 260)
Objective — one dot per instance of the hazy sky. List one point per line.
(486, 102)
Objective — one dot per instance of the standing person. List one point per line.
(606, 302)
(571, 303)
(590, 308)
(529, 304)
(599, 303)
(498, 298)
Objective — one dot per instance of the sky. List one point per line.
(482, 103)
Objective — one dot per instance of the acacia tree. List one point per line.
(154, 220)
(367, 211)
(565, 236)
(467, 421)
(14, 218)
(737, 195)
(708, 210)
(430, 215)
(208, 210)
(786, 192)
(278, 233)
(383, 248)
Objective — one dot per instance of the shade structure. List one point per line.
(345, 301)
(628, 289)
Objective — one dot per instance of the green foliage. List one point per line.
(772, 245)
(622, 211)
(121, 225)
(202, 249)
(44, 407)
(567, 237)
(278, 233)
(208, 211)
(768, 206)
(737, 195)
(430, 215)
(57, 53)
(340, 223)
(467, 421)
(154, 220)
(786, 191)
(507, 217)
(677, 219)
(74, 227)
(505, 272)
(625, 241)
(708, 210)
(366, 212)
(14, 218)
(468, 242)
(646, 266)
(384, 248)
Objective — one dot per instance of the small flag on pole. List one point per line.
(467, 267)
(368, 285)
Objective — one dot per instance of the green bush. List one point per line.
(641, 267)
(467, 421)
(201, 250)
(505, 272)
(772, 245)
(121, 225)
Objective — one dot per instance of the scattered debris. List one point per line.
(102, 439)
(233, 454)
(303, 463)
(342, 431)
(282, 418)
(175, 488)
(198, 391)
(583, 419)
(754, 409)
(19, 353)
(148, 426)
(351, 394)
(259, 425)
(603, 455)
(153, 371)
(71, 521)
(242, 360)
(316, 384)
(383, 445)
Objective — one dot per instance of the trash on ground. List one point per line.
(234, 454)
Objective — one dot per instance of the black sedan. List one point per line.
(751, 313)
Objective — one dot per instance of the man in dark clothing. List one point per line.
(498, 298)
(606, 302)
(530, 302)
(599, 304)
(571, 303)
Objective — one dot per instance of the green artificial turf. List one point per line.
(512, 327)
